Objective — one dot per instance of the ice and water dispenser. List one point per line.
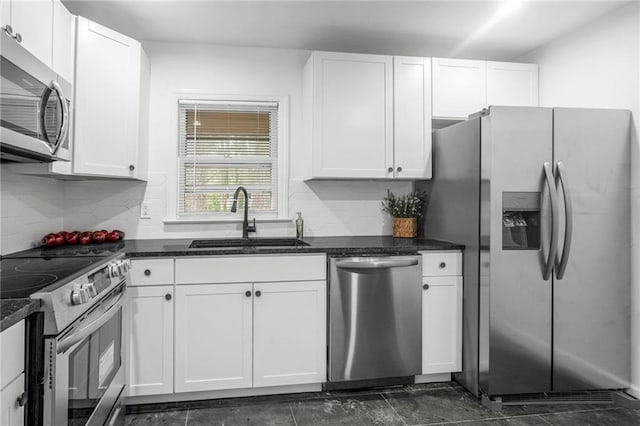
(521, 220)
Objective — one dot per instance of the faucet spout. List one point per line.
(246, 228)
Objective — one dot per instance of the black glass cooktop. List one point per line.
(21, 277)
(89, 250)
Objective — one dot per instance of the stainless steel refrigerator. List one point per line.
(541, 199)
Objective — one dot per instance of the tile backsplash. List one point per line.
(34, 206)
(30, 208)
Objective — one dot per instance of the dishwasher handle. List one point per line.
(377, 263)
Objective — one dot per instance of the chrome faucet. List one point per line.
(246, 228)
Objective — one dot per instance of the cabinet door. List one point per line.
(512, 84)
(213, 337)
(11, 413)
(352, 115)
(459, 87)
(106, 102)
(64, 41)
(441, 325)
(289, 333)
(33, 19)
(151, 340)
(5, 13)
(412, 117)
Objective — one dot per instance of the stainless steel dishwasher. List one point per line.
(375, 318)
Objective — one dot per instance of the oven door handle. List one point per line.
(96, 320)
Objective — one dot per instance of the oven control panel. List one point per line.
(97, 282)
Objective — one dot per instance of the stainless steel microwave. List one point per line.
(34, 107)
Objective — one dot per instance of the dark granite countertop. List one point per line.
(15, 310)
(337, 246)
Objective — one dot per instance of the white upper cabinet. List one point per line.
(412, 117)
(462, 87)
(351, 114)
(368, 116)
(459, 87)
(512, 84)
(64, 41)
(111, 70)
(31, 21)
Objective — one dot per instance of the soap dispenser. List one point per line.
(299, 226)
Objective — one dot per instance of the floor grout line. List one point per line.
(394, 410)
(295, 422)
(186, 419)
(547, 421)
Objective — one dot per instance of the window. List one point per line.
(223, 145)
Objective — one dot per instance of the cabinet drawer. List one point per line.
(12, 351)
(441, 263)
(152, 271)
(235, 269)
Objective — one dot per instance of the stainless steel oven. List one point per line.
(84, 367)
(34, 107)
(84, 348)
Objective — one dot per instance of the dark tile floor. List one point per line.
(428, 404)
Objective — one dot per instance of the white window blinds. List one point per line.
(224, 145)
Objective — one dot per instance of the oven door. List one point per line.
(84, 368)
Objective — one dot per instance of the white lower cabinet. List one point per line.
(441, 312)
(289, 333)
(226, 322)
(12, 384)
(151, 340)
(213, 337)
(441, 324)
(243, 335)
(11, 412)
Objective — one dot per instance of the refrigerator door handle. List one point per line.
(553, 201)
(561, 261)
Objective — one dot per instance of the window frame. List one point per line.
(173, 187)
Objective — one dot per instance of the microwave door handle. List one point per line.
(64, 127)
(561, 262)
(553, 201)
(102, 317)
(43, 111)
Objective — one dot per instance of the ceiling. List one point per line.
(499, 30)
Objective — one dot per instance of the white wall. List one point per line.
(598, 66)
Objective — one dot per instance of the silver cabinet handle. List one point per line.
(377, 263)
(390, 169)
(7, 29)
(553, 201)
(399, 169)
(64, 128)
(561, 262)
(18, 37)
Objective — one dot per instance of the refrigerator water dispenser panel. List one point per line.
(521, 220)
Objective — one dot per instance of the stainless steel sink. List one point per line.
(248, 242)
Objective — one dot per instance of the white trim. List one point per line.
(227, 393)
(283, 100)
(634, 390)
(433, 378)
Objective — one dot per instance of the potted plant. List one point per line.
(405, 210)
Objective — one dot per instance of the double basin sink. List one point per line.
(222, 243)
